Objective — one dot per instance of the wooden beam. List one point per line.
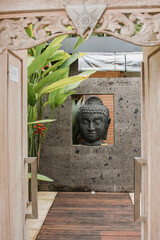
(137, 189)
(107, 74)
(38, 5)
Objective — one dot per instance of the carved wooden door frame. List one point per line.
(51, 21)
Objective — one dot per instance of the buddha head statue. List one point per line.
(94, 121)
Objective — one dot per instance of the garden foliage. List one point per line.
(49, 85)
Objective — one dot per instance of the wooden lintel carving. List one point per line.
(137, 28)
(119, 24)
(13, 33)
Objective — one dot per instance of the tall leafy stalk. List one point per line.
(49, 85)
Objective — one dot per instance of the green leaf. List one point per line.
(41, 177)
(88, 72)
(53, 77)
(62, 97)
(51, 99)
(58, 55)
(29, 30)
(44, 178)
(75, 85)
(72, 86)
(78, 43)
(56, 98)
(31, 96)
(40, 61)
(63, 83)
(69, 28)
(30, 59)
(39, 49)
(42, 121)
(57, 40)
(72, 59)
(30, 132)
(45, 104)
(76, 108)
(56, 65)
(32, 113)
(75, 129)
(73, 106)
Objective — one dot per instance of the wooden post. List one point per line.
(13, 145)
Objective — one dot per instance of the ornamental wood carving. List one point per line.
(85, 17)
(123, 26)
(14, 36)
(115, 23)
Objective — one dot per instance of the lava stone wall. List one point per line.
(98, 168)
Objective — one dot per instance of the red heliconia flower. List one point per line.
(44, 67)
(39, 129)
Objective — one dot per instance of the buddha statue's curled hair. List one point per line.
(94, 105)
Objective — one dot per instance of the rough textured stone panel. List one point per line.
(99, 168)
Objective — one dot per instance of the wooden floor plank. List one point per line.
(83, 216)
(69, 237)
(89, 232)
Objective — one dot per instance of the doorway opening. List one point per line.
(99, 168)
(126, 19)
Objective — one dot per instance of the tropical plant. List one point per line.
(75, 124)
(49, 84)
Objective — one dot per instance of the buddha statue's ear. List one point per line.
(109, 121)
(106, 128)
(76, 130)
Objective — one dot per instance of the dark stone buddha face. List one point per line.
(94, 121)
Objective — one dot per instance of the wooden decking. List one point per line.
(84, 216)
